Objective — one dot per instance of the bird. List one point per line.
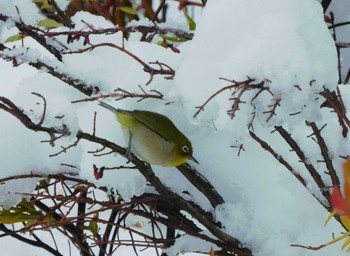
(153, 137)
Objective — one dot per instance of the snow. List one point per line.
(21, 10)
(283, 41)
(293, 51)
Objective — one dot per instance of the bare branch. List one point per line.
(147, 68)
(237, 85)
(324, 151)
(315, 175)
(32, 32)
(123, 94)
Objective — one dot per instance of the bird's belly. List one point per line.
(150, 147)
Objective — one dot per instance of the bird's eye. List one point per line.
(185, 149)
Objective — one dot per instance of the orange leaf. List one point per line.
(211, 252)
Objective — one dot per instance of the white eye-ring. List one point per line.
(185, 149)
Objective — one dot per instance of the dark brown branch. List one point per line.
(31, 32)
(334, 101)
(340, 24)
(44, 110)
(39, 65)
(337, 48)
(324, 151)
(278, 157)
(107, 232)
(315, 175)
(77, 235)
(63, 16)
(142, 29)
(202, 184)
(74, 82)
(11, 108)
(36, 243)
(160, 7)
(325, 4)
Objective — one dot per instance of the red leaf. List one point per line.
(338, 203)
(327, 19)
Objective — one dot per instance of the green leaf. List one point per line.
(50, 23)
(174, 39)
(24, 205)
(93, 227)
(46, 6)
(128, 10)
(190, 21)
(9, 217)
(23, 212)
(43, 184)
(14, 38)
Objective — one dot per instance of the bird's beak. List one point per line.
(194, 159)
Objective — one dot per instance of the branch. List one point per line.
(325, 4)
(11, 108)
(279, 158)
(77, 235)
(123, 94)
(147, 68)
(334, 101)
(315, 175)
(170, 196)
(31, 31)
(202, 184)
(39, 65)
(238, 85)
(63, 16)
(37, 243)
(324, 151)
(112, 217)
(76, 34)
(272, 111)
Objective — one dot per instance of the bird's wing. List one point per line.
(158, 123)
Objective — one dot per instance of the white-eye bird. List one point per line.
(153, 137)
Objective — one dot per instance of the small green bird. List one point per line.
(153, 137)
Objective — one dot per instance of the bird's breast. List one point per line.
(151, 147)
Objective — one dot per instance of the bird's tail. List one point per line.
(109, 107)
(123, 116)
